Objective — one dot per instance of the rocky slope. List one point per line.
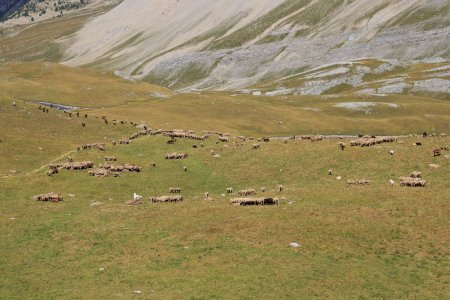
(7, 6)
(230, 44)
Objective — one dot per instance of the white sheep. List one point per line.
(391, 152)
(392, 182)
(136, 197)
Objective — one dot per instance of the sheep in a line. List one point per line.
(412, 182)
(166, 199)
(98, 146)
(254, 201)
(100, 172)
(176, 155)
(351, 182)
(49, 197)
(247, 192)
(72, 166)
(121, 168)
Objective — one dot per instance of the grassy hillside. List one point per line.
(377, 241)
(73, 86)
(290, 115)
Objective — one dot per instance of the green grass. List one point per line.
(74, 86)
(366, 242)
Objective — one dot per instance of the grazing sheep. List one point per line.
(153, 164)
(263, 190)
(391, 152)
(416, 174)
(230, 190)
(194, 146)
(437, 152)
(330, 172)
(392, 182)
(174, 190)
(101, 172)
(166, 199)
(280, 188)
(185, 168)
(176, 155)
(341, 145)
(358, 182)
(206, 195)
(412, 182)
(254, 201)
(247, 192)
(136, 197)
(110, 158)
(49, 197)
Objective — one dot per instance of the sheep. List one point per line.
(229, 190)
(263, 190)
(437, 152)
(256, 146)
(254, 201)
(69, 158)
(103, 173)
(206, 195)
(358, 182)
(165, 199)
(176, 155)
(330, 172)
(341, 145)
(392, 182)
(83, 124)
(416, 174)
(174, 190)
(391, 152)
(49, 197)
(412, 182)
(185, 168)
(136, 197)
(280, 188)
(153, 164)
(247, 192)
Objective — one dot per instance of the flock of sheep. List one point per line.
(107, 169)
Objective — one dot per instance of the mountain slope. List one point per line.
(229, 44)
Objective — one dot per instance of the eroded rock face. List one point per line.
(230, 49)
